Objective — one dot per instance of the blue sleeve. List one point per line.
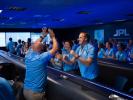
(46, 56)
(125, 56)
(112, 52)
(117, 53)
(77, 50)
(91, 52)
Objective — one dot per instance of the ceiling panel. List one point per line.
(62, 13)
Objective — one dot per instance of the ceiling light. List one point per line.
(99, 23)
(2, 23)
(37, 16)
(44, 24)
(58, 19)
(10, 18)
(1, 11)
(16, 8)
(62, 20)
(83, 12)
(120, 20)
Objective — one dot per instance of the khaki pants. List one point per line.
(30, 95)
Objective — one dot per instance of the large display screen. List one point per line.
(99, 35)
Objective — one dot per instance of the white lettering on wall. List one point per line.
(120, 32)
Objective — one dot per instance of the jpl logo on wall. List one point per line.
(121, 32)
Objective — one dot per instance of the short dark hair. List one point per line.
(19, 41)
(111, 45)
(29, 40)
(122, 46)
(10, 39)
(70, 42)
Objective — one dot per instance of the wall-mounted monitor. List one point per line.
(99, 35)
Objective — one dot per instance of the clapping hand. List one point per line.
(73, 53)
(65, 57)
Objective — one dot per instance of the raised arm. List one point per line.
(43, 35)
(37, 44)
(55, 44)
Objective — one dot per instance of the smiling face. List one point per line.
(67, 45)
(82, 38)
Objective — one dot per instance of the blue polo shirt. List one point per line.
(101, 53)
(109, 53)
(91, 71)
(11, 47)
(121, 55)
(68, 67)
(18, 49)
(36, 74)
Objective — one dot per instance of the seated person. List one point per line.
(109, 53)
(101, 51)
(121, 54)
(130, 55)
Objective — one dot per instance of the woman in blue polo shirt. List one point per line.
(67, 66)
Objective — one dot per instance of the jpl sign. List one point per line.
(121, 32)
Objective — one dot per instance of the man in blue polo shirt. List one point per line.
(11, 46)
(36, 75)
(86, 57)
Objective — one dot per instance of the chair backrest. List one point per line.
(120, 82)
(6, 91)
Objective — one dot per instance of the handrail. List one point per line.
(82, 81)
(88, 83)
(120, 65)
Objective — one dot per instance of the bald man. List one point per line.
(36, 61)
